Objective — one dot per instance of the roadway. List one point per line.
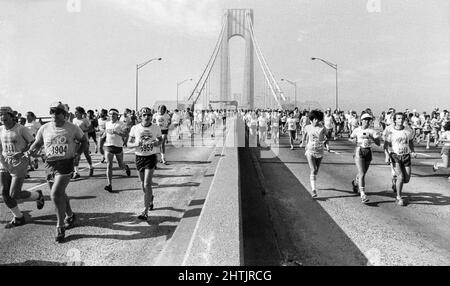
(337, 229)
(108, 232)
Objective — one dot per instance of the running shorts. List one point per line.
(146, 162)
(293, 133)
(363, 153)
(263, 128)
(445, 151)
(59, 167)
(165, 131)
(92, 135)
(312, 154)
(426, 132)
(113, 149)
(16, 167)
(404, 160)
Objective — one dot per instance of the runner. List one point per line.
(292, 128)
(33, 126)
(101, 128)
(145, 137)
(328, 123)
(445, 152)
(162, 119)
(61, 141)
(262, 124)
(315, 141)
(399, 147)
(15, 140)
(275, 126)
(81, 121)
(93, 128)
(115, 131)
(363, 136)
(176, 121)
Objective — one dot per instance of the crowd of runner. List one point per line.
(60, 143)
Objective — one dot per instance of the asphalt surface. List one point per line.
(337, 229)
(108, 231)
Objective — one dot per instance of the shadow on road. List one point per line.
(305, 231)
(127, 223)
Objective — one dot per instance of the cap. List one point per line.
(366, 116)
(6, 109)
(58, 105)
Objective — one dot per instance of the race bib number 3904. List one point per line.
(57, 150)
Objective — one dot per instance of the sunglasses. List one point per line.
(56, 111)
(146, 114)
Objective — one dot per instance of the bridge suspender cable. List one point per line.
(201, 82)
(267, 73)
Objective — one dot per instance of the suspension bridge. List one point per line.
(220, 203)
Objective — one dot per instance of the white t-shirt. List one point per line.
(399, 139)
(162, 121)
(275, 120)
(114, 139)
(315, 139)
(146, 136)
(33, 127)
(176, 118)
(328, 121)
(262, 122)
(102, 124)
(291, 124)
(364, 137)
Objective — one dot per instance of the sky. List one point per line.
(84, 53)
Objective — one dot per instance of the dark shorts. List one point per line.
(363, 153)
(426, 132)
(92, 135)
(113, 149)
(404, 160)
(166, 131)
(146, 162)
(59, 167)
(445, 151)
(293, 133)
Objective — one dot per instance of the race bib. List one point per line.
(57, 150)
(275, 124)
(316, 146)
(10, 149)
(291, 126)
(402, 150)
(147, 147)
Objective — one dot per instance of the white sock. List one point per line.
(16, 212)
(162, 156)
(312, 181)
(361, 191)
(76, 169)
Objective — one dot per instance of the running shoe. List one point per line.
(355, 187)
(60, 234)
(69, 221)
(435, 168)
(91, 172)
(76, 176)
(40, 202)
(143, 216)
(364, 199)
(16, 221)
(127, 170)
(103, 160)
(108, 188)
(401, 202)
(314, 194)
(292, 147)
(164, 162)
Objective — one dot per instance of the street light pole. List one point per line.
(138, 66)
(178, 85)
(334, 66)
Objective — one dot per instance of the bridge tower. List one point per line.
(236, 25)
